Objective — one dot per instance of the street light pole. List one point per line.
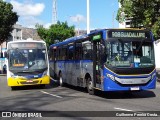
(88, 27)
(78, 24)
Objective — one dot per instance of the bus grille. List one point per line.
(34, 82)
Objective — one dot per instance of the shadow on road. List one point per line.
(33, 87)
(77, 88)
(126, 95)
(116, 95)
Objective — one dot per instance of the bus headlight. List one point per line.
(110, 76)
(12, 75)
(153, 75)
(44, 73)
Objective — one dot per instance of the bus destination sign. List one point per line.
(97, 37)
(26, 45)
(127, 34)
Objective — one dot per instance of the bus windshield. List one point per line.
(123, 53)
(27, 59)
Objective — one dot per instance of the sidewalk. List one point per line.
(3, 74)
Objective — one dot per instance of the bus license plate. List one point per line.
(29, 81)
(135, 88)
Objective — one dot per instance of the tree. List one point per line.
(59, 31)
(143, 13)
(7, 19)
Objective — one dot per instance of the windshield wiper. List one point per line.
(24, 71)
(140, 45)
(124, 44)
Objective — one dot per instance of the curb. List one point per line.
(3, 74)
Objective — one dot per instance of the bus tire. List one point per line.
(90, 89)
(13, 88)
(43, 86)
(61, 80)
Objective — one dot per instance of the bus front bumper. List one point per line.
(110, 85)
(20, 82)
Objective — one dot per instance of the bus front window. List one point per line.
(39, 59)
(28, 59)
(130, 54)
(17, 58)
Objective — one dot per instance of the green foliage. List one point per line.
(7, 19)
(144, 13)
(59, 31)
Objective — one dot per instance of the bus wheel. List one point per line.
(42, 86)
(13, 88)
(90, 89)
(61, 80)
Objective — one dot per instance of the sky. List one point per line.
(102, 13)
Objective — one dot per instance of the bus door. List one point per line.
(70, 65)
(78, 62)
(97, 64)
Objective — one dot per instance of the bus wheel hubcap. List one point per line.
(90, 85)
(60, 80)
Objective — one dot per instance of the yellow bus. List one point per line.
(27, 63)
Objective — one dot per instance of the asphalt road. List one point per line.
(57, 99)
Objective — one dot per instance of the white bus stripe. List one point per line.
(51, 94)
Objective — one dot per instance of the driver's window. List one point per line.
(17, 58)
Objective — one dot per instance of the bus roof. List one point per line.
(72, 39)
(68, 40)
(21, 41)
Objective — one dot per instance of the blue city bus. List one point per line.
(106, 59)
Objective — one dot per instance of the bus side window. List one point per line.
(63, 52)
(54, 55)
(57, 53)
(87, 51)
(70, 52)
(60, 53)
(78, 51)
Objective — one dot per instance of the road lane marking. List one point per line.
(51, 94)
(122, 109)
